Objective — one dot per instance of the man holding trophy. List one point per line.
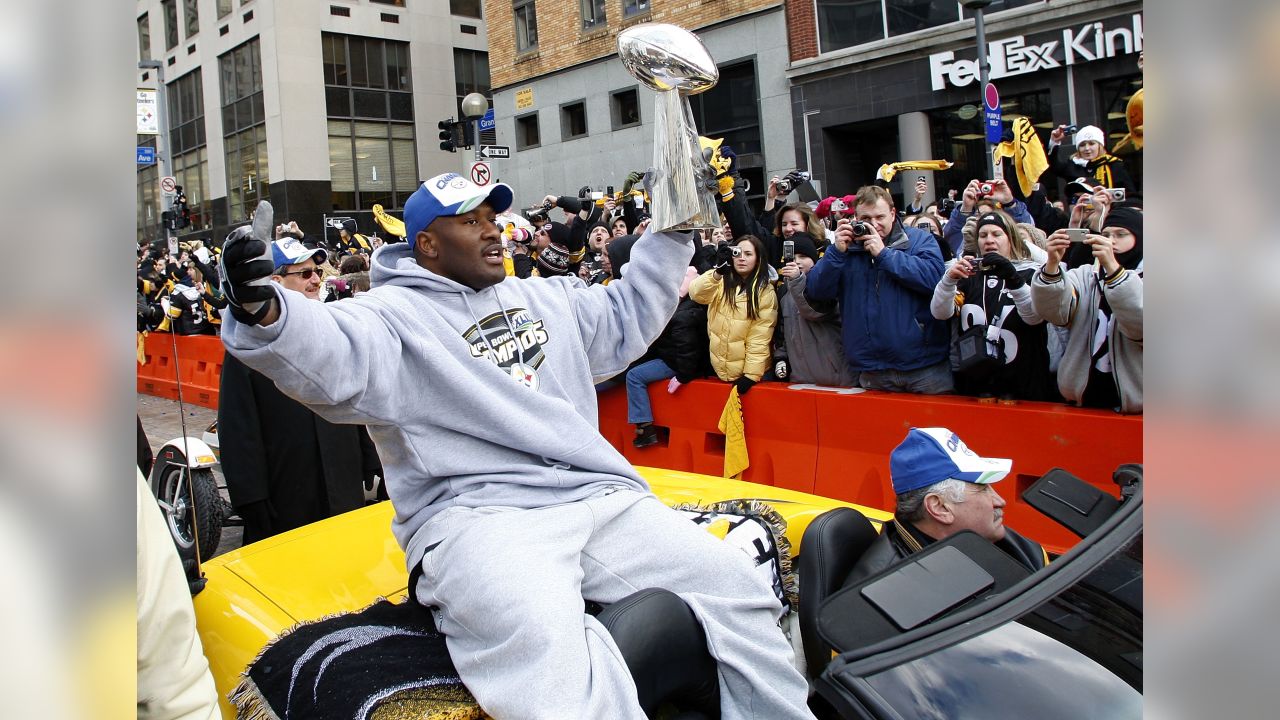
(507, 532)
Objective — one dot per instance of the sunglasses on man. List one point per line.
(306, 274)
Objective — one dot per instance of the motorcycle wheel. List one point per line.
(176, 503)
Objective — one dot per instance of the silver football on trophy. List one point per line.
(667, 57)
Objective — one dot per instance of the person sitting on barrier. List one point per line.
(806, 342)
(1002, 348)
(1101, 307)
(942, 488)
(742, 309)
(679, 353)
(884, 278)
(509, 529)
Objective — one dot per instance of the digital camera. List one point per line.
(735, 251)
(861, 229)
(839, 206)
(946, 206)
(791, 181)
(985, 189)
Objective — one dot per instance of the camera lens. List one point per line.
(861, 229)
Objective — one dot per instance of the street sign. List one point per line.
(991, 99)
(495, 151)
(487, 121)
(169, 184)
(480, 173)
(146, 155)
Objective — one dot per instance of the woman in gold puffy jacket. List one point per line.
(742, 308)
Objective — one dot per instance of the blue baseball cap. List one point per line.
(931, 455)
(450, 194)
(291, 251)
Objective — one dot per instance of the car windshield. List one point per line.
(1079, 654)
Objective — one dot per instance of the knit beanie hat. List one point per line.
(1090, 132)
(804, 245)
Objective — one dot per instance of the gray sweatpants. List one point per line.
(509, 586)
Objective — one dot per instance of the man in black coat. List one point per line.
(286, 466)
(943, 488)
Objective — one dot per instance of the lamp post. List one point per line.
(474, 106)
(164, 159)
(983, 67)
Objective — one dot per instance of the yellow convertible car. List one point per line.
(1084, 654)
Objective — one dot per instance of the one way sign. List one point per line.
(495, 151)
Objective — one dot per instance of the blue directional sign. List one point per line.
(487, 122)
(992, 113)
(146, 155)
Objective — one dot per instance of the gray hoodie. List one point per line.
(1072, 301)
(472, 398)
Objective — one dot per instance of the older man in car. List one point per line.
(943, 488)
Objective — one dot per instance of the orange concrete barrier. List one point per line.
(838, 445)
(198, 364)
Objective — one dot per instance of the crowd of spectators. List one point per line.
(989, 292)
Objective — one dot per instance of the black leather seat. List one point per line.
(665, 649)
(830, 547)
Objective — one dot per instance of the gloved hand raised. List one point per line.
(632, 178)
(246, 267)
(724, 258)
(999, 266)
(781, 370)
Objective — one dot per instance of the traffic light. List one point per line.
(182, 213)
(468, 132)
(447, 140)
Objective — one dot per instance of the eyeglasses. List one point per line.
(306, 274)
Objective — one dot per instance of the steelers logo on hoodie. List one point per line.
(513, 341)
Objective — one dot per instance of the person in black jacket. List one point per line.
(943, 488)
(286, 466)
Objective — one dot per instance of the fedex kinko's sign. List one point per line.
(1018, 56)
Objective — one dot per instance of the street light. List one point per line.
(977, 6)
(474, 106)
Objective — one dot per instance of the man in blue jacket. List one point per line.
(884, 275)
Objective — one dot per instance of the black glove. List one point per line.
(781, 370)
(632, 178)
(999, 266)
(743, 384)
(246, 267)
(724, 258)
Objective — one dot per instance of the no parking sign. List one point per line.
(991, 98)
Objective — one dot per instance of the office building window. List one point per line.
(846, 23)
(526, 25)
(243, 130)
(397, 3)
(148, 195)
(470, 74)
(170, 9)
(592, 14)
(527, 135)
(144, 37)
(624, 107)
(573, 120)
(191, 12)
(185, 115)
(372, 146)
(631, 8)
(224, 8)
(466, 8)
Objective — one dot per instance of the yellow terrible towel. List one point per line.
(1029, 160)
(735, 437)
(888, 170)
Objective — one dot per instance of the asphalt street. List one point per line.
(162, 421)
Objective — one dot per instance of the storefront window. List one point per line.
(730, 110)
(963, 141)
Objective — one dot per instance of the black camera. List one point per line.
(791, 181)
(946, 206)
(861, 229)
(1070, 130)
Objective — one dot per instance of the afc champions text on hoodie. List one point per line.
(473, 398)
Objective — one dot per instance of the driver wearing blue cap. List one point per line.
(943, 488)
